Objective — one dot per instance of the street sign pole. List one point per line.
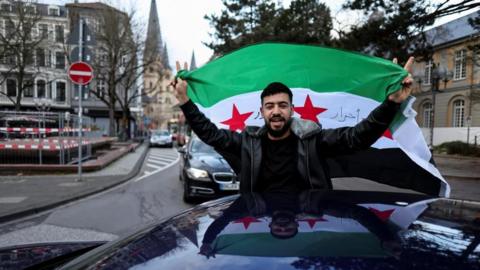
(80, 97)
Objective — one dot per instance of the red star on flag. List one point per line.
(237, 122)
(383, 215)
(388, 134)
(312, 221)
(246, 221)
(308, 111)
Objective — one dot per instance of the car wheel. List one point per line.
(186, 192)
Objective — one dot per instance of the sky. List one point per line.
(183, 25)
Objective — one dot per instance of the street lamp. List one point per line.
(438, 73)
(43, 105)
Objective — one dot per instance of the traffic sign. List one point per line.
(80, 73)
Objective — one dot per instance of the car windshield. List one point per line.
(161, 133)
(200, 147)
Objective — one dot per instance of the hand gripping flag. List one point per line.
(331, 87)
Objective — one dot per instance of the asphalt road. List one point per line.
(154, 194)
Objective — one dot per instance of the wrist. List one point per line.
(183, 100)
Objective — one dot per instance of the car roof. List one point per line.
(336, 230)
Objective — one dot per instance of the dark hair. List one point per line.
(276, 88)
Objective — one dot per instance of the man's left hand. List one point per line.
(403, 93)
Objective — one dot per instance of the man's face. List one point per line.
(277, 112)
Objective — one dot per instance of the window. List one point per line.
(43, 31)
(40, 57)
(60, 88)
(460, 71)
(30, 9)
(53, 11)
(10, 29)
(427, 114)
(41, 87)
(6, 7)
(11, 88)
(458, 113)
(101, 87)
(427, 79)
(29, 58)
(59, 35)
(28, 89)
(59, 60)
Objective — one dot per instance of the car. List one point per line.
(161, 138)
(317, 229)
(205, 173)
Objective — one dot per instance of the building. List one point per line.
(160, 101)
(44, 73)
(103, 59)
(448, 85)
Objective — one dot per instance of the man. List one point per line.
(288, 154)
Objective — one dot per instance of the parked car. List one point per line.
(327, 229)
(204, 172)
(161, 138)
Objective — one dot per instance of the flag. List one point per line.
(331, 87)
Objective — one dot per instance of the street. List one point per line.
(154, 194)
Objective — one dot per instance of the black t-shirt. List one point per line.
(279, 172)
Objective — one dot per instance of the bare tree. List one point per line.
(18, 43)
(118, 63)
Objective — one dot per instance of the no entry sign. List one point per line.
(80, 73)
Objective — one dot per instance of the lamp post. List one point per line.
(43, 105)
(438, 73)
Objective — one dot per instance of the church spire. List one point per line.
(153, 43)
(165, 59)
(193, 65)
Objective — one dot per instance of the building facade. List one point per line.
(447, 86)
(45, 72)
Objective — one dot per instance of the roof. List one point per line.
(453, 30)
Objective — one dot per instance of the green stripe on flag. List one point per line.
(303, 244)
(317, 68)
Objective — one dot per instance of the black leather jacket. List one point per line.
(243, 150)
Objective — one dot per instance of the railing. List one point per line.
(43, 138)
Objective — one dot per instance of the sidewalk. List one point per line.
(458, 167)
(26, 195)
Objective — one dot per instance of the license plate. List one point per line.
(229, 186)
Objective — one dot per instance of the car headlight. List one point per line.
(197, 174)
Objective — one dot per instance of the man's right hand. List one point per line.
(180, 87)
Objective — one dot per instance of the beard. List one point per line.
(280, 132)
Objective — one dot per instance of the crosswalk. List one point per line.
(157, 160)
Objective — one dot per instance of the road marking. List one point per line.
(160, 162)
(12, 199)
(162, 156)
(76, 184)
(159, 170)
(153, 166)
(161, 159)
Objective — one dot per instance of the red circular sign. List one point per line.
(80, 73)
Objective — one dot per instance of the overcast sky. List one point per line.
(183, 25)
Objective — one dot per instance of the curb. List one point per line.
(36, 210)
(458, 177)
(476, 159)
